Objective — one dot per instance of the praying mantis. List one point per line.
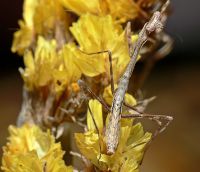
(113, 128)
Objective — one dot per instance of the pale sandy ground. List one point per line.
(177, 90)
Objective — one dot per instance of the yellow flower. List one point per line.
(130, 149)
(47, 15)
(123, 10)
(120, 10)
(78, 63)
(23, 38)
(95, 34)
(41, 67)
(40, 17)
(32, 150)
(81, 6)
(57, 69)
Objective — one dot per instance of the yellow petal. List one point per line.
(107, 94)
(22, 38)
(45, 67)
(74, 73)
(136, 132)
(123, 10)
(29, 11)
(130, 165)
(124, 135)
(120, 10)
(96, 34)
(45, 60)
(29, 61)
(47, 14)
(88, 145)
(28, 162)
(60, 80)
(130, 100)
(96, 109)
(82, 6)
(89, 65)
(137, 142)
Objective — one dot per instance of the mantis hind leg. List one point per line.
(156, 118)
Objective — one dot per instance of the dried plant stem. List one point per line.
(25, 115)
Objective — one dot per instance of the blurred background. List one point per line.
(175, 81)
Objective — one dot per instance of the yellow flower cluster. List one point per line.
(131, 146)
(31, 150)
(58, 49)
(96, 34)
(48, 64)
(57, 69)
(120, 10)
(40, 17)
